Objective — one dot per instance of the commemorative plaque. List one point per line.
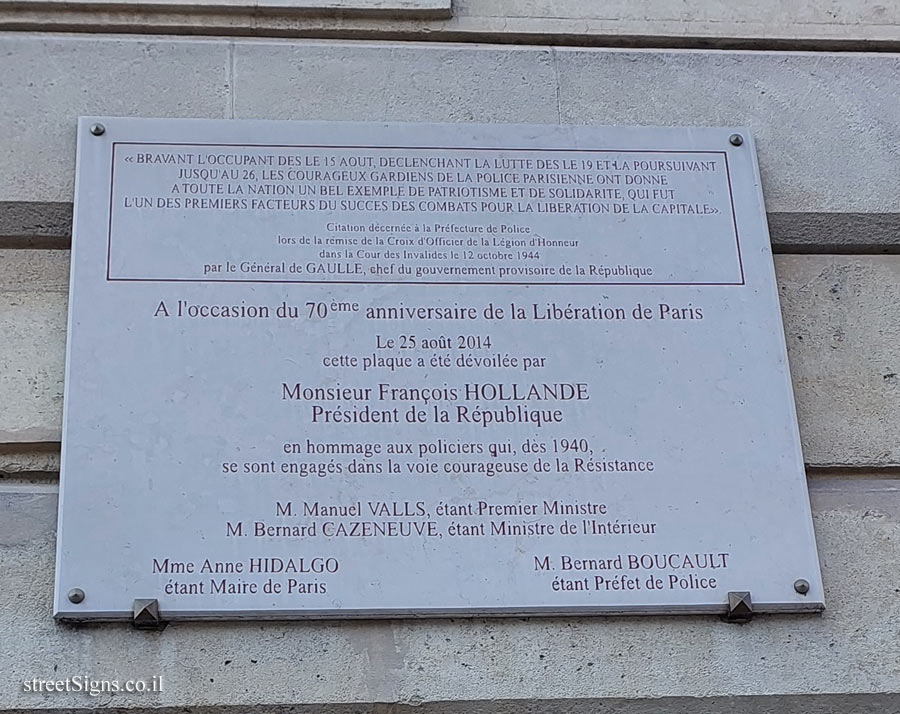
(361, 369)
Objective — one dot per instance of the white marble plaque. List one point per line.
(339, 370)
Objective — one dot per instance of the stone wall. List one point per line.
(826, 127)
(799, 24)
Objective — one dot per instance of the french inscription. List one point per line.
(383, 370)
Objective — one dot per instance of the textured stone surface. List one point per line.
(843, 335)
(850, 649)
(35, 224)
(390, 8)
(842, 23)
(835, 232)
(824, 122)
(34, 271)
(812, 157)
(416, 83)
(46, 82)
(33, 299)
(758, 704)
(840, 315)
(26, 460)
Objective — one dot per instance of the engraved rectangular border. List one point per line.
(110, 278)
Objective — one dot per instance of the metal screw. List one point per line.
(98, 129)
(76, 595)
(801, 586)
(736, 139)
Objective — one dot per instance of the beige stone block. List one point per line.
(843, 336)
(654, 23)
(393, 82)
(48, 81)
(33, 314)
(823, 122)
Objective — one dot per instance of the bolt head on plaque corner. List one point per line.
(75, 596)
(98, 129)
(740, 608)
(145, 615)
(801, 586)
(736, 139)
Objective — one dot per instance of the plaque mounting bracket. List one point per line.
(145, 615)
(740, 608)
